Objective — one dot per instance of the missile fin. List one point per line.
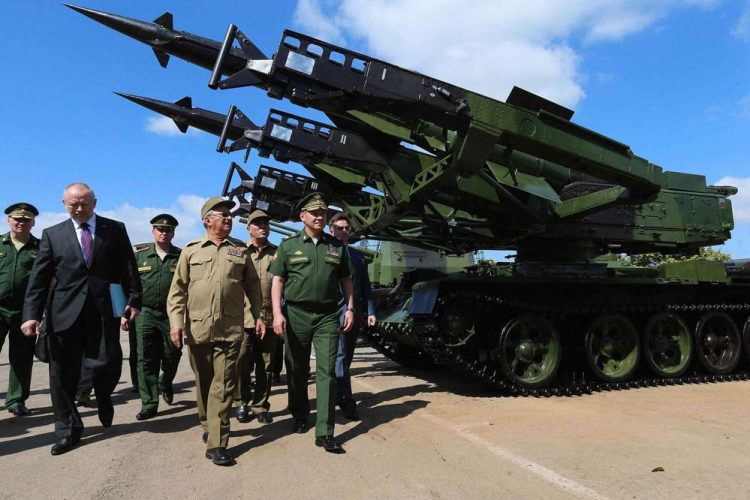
(165, 21)
(185, 102)
(162, 57)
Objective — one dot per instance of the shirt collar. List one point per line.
(91, 222)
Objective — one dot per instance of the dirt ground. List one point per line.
(423, 434)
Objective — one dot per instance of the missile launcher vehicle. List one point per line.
(415, 160)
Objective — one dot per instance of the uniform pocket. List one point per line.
(200, 266)
(235, 267)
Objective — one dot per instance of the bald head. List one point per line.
(79, 201)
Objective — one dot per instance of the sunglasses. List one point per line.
(164, 229)
(221, 214)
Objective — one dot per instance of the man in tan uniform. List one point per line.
(205, 308)
(260, 349)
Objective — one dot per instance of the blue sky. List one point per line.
(669, 78)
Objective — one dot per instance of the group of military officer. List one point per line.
(229, 302)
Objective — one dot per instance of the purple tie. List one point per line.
(87, 242)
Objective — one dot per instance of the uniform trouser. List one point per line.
(278, 362)
(215, 367)
(344, 356)
(263, 353)
(20, 355)
(155, 347)
(133, 354)
(306, 329)
(96, 338)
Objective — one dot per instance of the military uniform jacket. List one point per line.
(261, 260)
(15, 266)
(156, 274)
(209, 288)
(311, 272)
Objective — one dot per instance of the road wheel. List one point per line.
(612, 347)
(667, 345)
(529, 351)
(718, 343)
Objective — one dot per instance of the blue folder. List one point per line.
(119, 300)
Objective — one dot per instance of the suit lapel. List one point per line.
(72, 237)
(100, 237)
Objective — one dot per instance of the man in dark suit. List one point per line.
(85, 255)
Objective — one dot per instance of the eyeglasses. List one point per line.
(342, 228)
(164, 229)
(220, 214)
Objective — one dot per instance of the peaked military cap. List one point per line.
(312, 201)
(165, 220)
(213, 202)
(257, 214)
(22, 210)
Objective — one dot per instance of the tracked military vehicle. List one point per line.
(419, 161)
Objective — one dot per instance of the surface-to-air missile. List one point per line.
(415, 160)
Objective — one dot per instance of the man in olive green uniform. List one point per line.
(310, 271)
(260, 349)
(157, 263)
(205, 307)
(18, 249)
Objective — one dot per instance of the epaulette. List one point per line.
(295, 235)
(139, 247)
(194, 242)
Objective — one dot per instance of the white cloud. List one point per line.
(740, 201)
(163, 125)
(742, 27)
(486, 46)
(186, 208)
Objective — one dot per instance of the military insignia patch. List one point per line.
(332, 251)
(2, 254)
(235, 252)
(298, 252)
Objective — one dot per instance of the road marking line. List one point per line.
(543, 472)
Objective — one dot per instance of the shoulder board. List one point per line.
(176, 249)
(139, 247)
(295, 235)
(194, 242)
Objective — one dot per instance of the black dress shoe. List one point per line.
(19, 410)
(83, 398)
(300, 425)
(106, 412)
(64, 445)
(243, 416)
(264, 418)
(167, 396)
(220, 456)
(276, 378)
(329, 444)
(205, 437)
(350, 412)
(145, 414)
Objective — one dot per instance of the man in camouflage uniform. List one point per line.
(259, 349)
(157, 263)
(206, 306)
(18, 249)
(310, 271)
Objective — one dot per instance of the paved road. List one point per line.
(423, 435)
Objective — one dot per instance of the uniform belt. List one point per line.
(315, 307)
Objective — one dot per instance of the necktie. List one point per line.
(87, 242)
